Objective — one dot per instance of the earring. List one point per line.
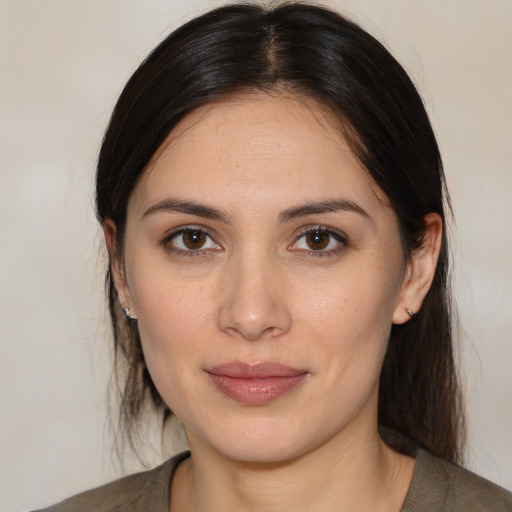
(410, 312)
(126, 311)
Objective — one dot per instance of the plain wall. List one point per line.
(62, 66)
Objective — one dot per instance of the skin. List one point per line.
(260, 290)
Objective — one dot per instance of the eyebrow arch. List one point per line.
(171, 205)
(327, 206)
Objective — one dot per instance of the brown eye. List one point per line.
(324, 241)
(190, 241)
(317, 240)
(194, 240)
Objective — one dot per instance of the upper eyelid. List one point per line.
(340, 239)
(298, 234)
(179, 230)
(188, 227)
(169, 244)
(326, 229)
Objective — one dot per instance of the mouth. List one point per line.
(255, 384)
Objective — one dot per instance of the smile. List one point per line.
(255, 384)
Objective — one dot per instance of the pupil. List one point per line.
(317, 240)
(194, 239)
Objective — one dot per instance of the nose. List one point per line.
(253, 302)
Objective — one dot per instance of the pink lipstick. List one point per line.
(255, 384)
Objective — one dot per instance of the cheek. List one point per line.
(164, 298)
(171, 311)
(350, 305)
(349, 321)
(170, 327)
(172, 317)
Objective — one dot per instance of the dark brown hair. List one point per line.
(310, 51)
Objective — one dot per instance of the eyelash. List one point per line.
(339, 237)
(170, 237)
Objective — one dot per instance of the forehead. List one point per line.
(260, 148)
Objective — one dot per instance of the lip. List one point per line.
(255, 384)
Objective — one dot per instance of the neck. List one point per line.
(355, 471)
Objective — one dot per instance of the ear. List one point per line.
(420, 271)
(116, 266)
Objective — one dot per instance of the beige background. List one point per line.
(62, 65)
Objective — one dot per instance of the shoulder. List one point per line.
(443, 486)
(140, 492)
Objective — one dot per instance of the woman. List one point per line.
(271, 194)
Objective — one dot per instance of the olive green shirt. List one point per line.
(437, 486)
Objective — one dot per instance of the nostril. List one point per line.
(252, 306)
(271, 322)
(253, 335)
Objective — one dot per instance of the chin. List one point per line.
(255, 452)
(267, 441)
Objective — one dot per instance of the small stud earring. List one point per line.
(410, 312)
(126, 311)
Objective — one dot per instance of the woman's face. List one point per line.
(265, 267)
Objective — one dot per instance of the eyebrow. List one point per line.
(191, 207)
(327, 206)
(171, 205)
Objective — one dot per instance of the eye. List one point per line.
(190, 240)
(320, 240)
